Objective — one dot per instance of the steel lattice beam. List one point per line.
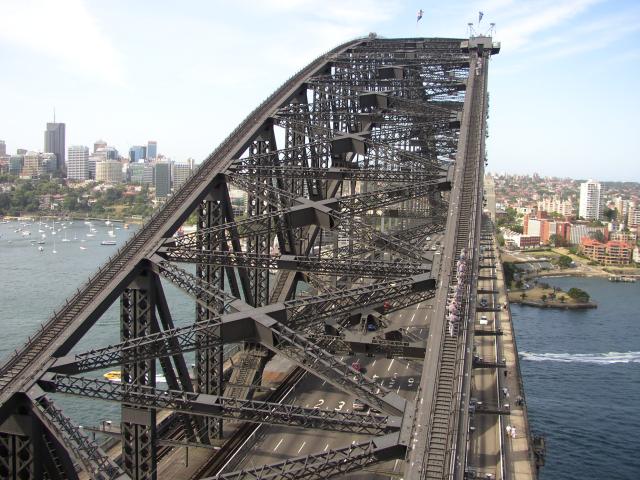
(222, 407)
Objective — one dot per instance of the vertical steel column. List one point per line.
(16, 457)
(209, 361)
(260, 244)
(137, 317)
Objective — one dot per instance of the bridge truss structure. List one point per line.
(346, 169)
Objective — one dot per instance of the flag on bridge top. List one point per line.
(420, 12)
(480, 15)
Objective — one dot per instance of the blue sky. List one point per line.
(564, 89)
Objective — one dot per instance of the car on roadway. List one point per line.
(358, 406)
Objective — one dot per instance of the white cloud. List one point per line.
(64, 30)
(519, 24)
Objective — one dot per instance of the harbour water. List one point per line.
(581, 372)
(33, 283)
(581, 368)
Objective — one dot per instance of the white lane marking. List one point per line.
(374, 362)
(302, 446)
(398, 391)
(326, 447)
(395, 465)
(281, 440)
(413, 318)
(390, 363)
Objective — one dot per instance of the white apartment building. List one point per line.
(78, 162)
(590, 200)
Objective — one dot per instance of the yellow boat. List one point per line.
(113, 376)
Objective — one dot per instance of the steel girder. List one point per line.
(368, 129)
(84, 451)
(209, 359)
(223, 407)
(328, 464)
(138, 424)
(347, 266)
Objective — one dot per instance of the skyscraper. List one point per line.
(78, 163)
(152, 149)
(162, 179)
(590, 200)
(54, 138)
(137, 153)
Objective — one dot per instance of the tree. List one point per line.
(564, 261)
(523, 295)
(610, 214)
(597, 235)
(562, 298)
(578, 294)
(553, 239)
(543, 297)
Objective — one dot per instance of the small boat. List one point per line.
(41, 242)
(83, 248)
(113, 376)
(108, 242)
(41, 249)
(126, 226)
(116, 376)
(91, 234)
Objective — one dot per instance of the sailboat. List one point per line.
(65, 239)
(54, 246)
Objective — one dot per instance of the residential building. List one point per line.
(628, 237)
(54, 142)
(78, 162)
(152, 149)
(610, 253)
(556, 205)
(38, 163)
(579, 231)
(3, 148)
(162, 180)
(109, 171)
(137, 153)
(633, 215)
(179, 173)
(636, 255)
(591, 200)
(519, 240)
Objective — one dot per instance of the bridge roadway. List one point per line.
(398, 374)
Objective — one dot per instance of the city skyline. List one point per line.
(550, 107)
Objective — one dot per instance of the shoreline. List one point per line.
(558, 306)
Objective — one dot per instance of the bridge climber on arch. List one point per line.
(348, 168)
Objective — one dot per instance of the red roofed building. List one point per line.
(611, 253)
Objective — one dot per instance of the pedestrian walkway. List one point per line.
(519, 463)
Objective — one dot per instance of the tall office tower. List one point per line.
(162, 179)
(590, 200)
(78, 162)
(152, 149)
(137, 153)
(98, 144)
(54, 137)
(3, 148)
(179, 173)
